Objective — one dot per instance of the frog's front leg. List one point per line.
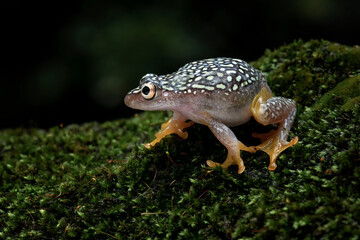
(266, 110)
(176, 124)
(227, 138)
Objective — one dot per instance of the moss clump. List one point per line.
(97, 181)
(305, 71)
(344, 94)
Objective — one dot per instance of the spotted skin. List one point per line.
(206, 76)
(219, 93)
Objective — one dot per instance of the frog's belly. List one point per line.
(231, 110)
(232, 116)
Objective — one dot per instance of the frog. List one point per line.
(219, 93)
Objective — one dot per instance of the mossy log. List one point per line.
(98, 181)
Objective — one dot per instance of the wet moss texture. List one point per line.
(97, 181)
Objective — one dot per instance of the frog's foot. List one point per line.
(175, 125)
(233, 158)
(273, 145)
(230, 160)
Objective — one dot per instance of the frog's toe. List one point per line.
(241, 169)
(250, 149)
(272, 166)
(183, 135)
(212, 164)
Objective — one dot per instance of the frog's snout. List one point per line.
(127, 100)
(133, 100)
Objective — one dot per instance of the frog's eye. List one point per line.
(148, 91)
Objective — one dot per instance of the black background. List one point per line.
(74, 62)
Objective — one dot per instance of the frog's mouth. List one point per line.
(137, 101)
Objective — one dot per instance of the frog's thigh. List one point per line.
(176, 124)
(274, 110)
(270, 110)
(228, 139)
(267, 109)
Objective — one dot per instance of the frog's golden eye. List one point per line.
(148, 91)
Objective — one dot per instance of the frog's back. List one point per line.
(224, 87)
(226, 75)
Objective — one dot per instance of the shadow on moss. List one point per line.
(98, 181)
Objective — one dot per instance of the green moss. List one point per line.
(305, 71)
(351, 104)
(344, 95)
(97, 181)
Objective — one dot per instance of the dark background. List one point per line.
(72, 63)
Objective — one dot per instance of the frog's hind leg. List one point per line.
(176, 124)
(266, 110)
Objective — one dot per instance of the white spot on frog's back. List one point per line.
(168, 88)
(230, 71)
(243, 68)
(200, 86)
(235, 87)
(220, 86)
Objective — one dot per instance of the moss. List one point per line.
(97, 181)
(305, 71)
(350, 104)
(344, 94)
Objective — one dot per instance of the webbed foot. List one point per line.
(175, 125)
(233, 158)
(273, 145)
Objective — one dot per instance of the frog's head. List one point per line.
(149, 95)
